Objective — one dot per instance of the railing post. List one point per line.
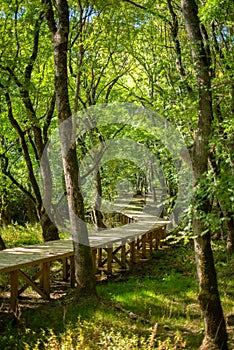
(123, 254)
(14, 293)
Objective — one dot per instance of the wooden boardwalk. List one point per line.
(120, 247)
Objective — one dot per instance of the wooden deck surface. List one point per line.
(27, 255)
(118, 245)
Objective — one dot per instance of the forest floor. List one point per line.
(152, 307)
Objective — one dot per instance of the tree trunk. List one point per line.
(174, 27)
(230, 223)
(215, 328)
(97, 214)
(2, 244)
(230, 234)
(49, 229)
(85, 276)
(84, 269)
(5, 217)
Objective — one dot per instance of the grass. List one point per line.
(16, 235)
(153, 307)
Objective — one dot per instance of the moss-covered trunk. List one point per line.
(215, 328)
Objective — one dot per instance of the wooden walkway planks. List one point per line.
(49, 251)
(29, 255)
(121, 245)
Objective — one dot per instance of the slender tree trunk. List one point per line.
(5, 217)
(98, 216)
(174, 27)
(2, 244)
(85, 276)
(230, 233)
(215, 328)
(49, 230)
(230, 223)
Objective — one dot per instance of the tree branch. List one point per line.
(25, 150)
(49, 14)
(19, 185)
(49, 116)
(137, 5)
(16, 32)
(29, 68)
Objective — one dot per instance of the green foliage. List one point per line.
(119, 52)
(215, 9)
(212, 193)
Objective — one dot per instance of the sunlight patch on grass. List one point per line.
(17, 235)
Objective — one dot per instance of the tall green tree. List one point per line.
(215, 328)
(190, 88)
(83, 258)
(218, 21)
